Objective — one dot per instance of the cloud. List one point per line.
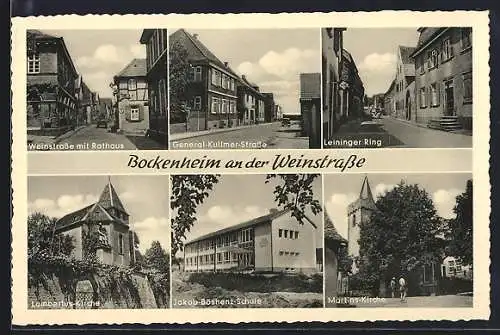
(381, 189)
(138, 50)
(336, 207)
(61, 206)
(445, 200)
(278, 72)
(103, 54)
(129, 196)
(376, 62)
(152, 229)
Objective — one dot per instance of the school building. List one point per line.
(272, 243)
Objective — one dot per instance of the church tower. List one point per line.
(357, 212)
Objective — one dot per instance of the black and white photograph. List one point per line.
(260, 249)
(225, 94)
(397, 87)
(98, 242)
(97, 89)
(394, 240)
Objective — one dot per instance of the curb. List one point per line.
(210, 132)
(68, 134)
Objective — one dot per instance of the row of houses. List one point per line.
(215, 96)
(58, 99)
(433, 81)
(343, 90)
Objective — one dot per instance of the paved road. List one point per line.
(269, 135)
(426, 302)
(419, 137)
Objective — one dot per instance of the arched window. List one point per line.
(354, 220)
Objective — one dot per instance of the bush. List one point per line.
(455, 285)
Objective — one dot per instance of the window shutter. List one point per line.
(141, 113)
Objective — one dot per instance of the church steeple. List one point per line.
(109, 198)
(366, 191)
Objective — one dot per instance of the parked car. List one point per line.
(285, 122)
(102, 123)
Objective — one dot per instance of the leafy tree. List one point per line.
(345, 261)
(293, 191)
(157, 258)
(42, 237)
(400, 235)
(460, 228)
(178, 80)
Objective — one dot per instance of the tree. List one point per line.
(345, 261)
(42, 237)
(157, 258)
(400, 235)
(178, 80)
(460, 227)
(293, 191)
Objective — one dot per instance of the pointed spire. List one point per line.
(366, 191)
(109, 198)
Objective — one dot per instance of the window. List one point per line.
(447, 49)
(433, 59)
(162, 97)
(421, 64)
(423, 102)
(134, 114)
(232, 106)
(197, 103)
(34, 63)
(466, 38)
(215, 105)
(120, 244)
(197, 73)
(224, 106)
(226, 256)
(280, 233)
(467, 79)
(286, 233)
(291, 234)
(434, 95)
(214, 76)
(296, 235)
(132, 84)
(353, 220)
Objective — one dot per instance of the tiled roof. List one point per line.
(196, 50)
(73, 217)
(391, 86)
(310, 85)
(426, 34)
(405, 53)
(331, 234)
(136, 68)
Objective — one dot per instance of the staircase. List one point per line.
(446, 123)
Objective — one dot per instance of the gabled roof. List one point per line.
(331, 234)
(405, 53)
(196, 50)
(136, 68)
(310, 86)
(109, 198)
(391, 86)
(73, 217)
(426, 35)
(40, 34)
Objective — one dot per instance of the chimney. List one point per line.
(244, 77)
(225, 64)
(273, 211)
(195, 36)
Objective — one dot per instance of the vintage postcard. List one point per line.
(141, 193)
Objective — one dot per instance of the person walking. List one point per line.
(402, 289)
(393, 287)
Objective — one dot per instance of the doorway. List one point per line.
(408, 106)
(449, 98)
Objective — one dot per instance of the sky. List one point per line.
(270, 58)
(145, 198)
(341, 190)
(99, 55)
(255, 198)
(375, 53)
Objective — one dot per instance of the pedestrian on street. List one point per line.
(402, 289)
(393, 287)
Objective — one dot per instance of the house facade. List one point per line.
(332, 46)
(310, 108)
(156, 42)
(443, 78)
(132, 102)
(404, 84)
(390, 100)
(51, 79)
(108, 221)
(278, 112)
(250, 102)
(272, 243)
(212, 90)
(269, 107)
(351, 89)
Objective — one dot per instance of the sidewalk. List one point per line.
(40, 139)
(421, 125)
(192, 134)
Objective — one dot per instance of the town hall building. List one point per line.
(272, 243)
(109, 221)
